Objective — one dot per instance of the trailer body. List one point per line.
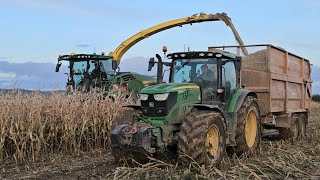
(280, 79)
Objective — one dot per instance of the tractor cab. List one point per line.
(216, 73)
(88, 71)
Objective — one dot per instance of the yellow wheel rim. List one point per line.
(212, 141)
(251, 129)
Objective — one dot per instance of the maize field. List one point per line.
(59, 137)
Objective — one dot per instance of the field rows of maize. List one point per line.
(33, 125)
(58, 137)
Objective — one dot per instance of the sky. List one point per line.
(40, 30)
(33, 33)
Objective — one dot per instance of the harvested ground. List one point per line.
(276, 159)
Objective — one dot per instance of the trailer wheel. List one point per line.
(202, 138)
(303, 121)
(248, 133)
(292, 132)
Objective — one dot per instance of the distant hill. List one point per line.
(42, 76)
(315, 75)
(24, 91)
(31, 76)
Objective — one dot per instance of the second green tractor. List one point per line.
(200, 112)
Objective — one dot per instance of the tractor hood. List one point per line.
(169, 87)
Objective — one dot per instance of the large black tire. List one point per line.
(193, 141)
(248, 141)
(292, 132)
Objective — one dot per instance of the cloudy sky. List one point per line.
(37, 31)
(40, 30)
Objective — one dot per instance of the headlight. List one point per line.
(144, 97)
(161, 97)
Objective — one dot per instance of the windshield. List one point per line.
(192, 70)
(90, 68)
(79, 69)
(106, 66)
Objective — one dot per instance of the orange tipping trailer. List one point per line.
(281, 80)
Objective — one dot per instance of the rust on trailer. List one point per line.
(281, 80)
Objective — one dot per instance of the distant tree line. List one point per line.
(316, 97)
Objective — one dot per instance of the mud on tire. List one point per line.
(244, 144)
(193, 138)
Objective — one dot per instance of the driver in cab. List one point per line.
(207, 81)
(207, 75)
(95, 72)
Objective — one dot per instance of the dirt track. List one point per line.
(99, 164)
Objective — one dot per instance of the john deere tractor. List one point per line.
(197, 115)
(99, 72)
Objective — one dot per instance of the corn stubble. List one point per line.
(275, 159)
(34, 125)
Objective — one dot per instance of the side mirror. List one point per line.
(114, 65)
(237, 63)
(151, 64)
(58, 66)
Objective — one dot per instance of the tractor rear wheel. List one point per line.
(202, 138)
(292, 132)
(248, 133)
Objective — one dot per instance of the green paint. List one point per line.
(187, 95)
(157, 123)
(169, 87)
(234, 100)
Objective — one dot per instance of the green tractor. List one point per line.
(200, 113)
(89, 72)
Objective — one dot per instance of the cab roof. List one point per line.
(83, 57)
(201, 54)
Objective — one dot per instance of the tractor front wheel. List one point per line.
(202, 138)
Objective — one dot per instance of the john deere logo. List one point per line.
(151, 104)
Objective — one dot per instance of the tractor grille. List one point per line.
(153, 108)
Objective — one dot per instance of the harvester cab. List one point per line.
(101, 73)
(88, 71)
